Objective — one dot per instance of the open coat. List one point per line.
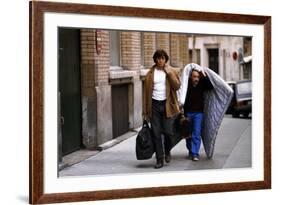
(172, 85)
(216, 102)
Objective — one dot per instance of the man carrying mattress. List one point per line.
(205, 98)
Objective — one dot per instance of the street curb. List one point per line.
(117, 140)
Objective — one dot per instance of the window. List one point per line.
(114, 48)
(194, 58)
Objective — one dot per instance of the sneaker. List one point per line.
(195, 158)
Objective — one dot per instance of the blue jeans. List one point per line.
(193, 144)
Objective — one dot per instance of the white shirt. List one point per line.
(159, 85)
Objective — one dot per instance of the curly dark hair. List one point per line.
(160, 53)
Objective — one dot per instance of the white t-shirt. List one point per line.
(159, 85)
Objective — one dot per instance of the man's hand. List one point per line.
(203, 73)
(145, 117)
(181, 106)
(199, 69)
(167, 70)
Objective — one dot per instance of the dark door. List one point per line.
(120, 109)
(69, 88)
(214, 59)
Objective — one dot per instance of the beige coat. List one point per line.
(172, 85)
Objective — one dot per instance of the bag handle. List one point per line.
(145, 123)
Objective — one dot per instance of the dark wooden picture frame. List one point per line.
(36, 190)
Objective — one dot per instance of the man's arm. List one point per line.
(172, 77)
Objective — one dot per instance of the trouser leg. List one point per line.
(196, 133)
(188, 140)
(167, 144)
(156, 125)
(168, 133)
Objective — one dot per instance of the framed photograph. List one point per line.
(88, 65)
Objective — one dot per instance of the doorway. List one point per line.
(120, 109)
(214, 59)
(70, 89)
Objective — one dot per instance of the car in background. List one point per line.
(242, 98)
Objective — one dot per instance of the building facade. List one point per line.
(223, 54)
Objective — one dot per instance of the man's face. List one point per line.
(195, 77)
(160, 62)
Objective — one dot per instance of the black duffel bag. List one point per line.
(144, 143)
(182, 129)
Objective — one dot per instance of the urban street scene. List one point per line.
(112, 81)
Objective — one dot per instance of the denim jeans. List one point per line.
(193, 144)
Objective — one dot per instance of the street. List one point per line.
(232, 150)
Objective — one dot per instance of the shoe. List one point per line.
(159, 164)
(189, 156)
(195, 159)
(168, 158)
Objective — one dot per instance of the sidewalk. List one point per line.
(234, 138)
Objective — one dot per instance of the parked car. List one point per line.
(242, 98)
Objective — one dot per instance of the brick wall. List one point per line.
(94, 67)
(87, 62)
(130, 50)
(184, 51)
(175, 50)
(149, 47)
(95, 91)
(163, 42)
(102, 61)
(179, 55)
(134, 46)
